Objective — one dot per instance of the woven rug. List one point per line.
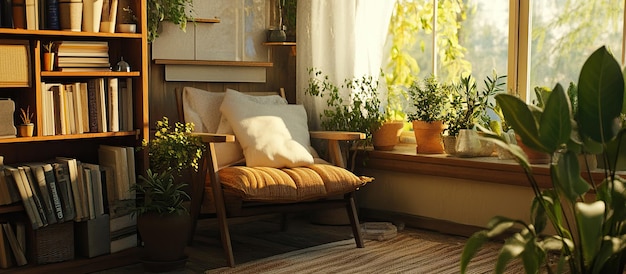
(408, 252)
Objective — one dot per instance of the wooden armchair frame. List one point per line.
(209, 171)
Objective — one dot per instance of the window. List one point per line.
(536, 43)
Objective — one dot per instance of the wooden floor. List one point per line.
(252, 239)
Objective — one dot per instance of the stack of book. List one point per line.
(83, 56)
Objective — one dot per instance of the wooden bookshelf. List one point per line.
(133, 47)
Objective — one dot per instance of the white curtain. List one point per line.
(343, 39)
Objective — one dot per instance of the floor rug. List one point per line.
(408, 252)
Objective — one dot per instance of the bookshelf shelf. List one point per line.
(67, 137)
(11, 208)
(90, 74)
(68, 34)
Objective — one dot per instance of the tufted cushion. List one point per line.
(289, 184)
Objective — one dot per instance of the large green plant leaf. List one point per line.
(555, 125)
(610, 247)
(566, 176)
(589, 218)
(519, 116)
(600, 96)
(473, 244)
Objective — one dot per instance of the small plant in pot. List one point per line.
(430, 103)
(26, 129)
(469, 107)
(163, 219)
(176, 11)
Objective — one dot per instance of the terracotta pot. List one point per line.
(534, 157)
(428, 136)
(387, 136)
(26, 130)
(48, 61)
(164, 236)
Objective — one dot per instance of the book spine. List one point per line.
(19, 14)
(32, 190)
(53, 15)
(67, 197)
(54, 191)
(7, 14)
(92, 103)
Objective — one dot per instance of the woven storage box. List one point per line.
(54, 243)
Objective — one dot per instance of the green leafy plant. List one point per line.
(469, 106)
(588, 217)
(174, 149)
(430, 100)
(160, 194)
(360, 112)
(175, 11)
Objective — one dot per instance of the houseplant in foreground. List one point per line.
(589, 218)
(430, 102)
(163, 220)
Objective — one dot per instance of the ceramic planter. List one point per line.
(449, 144)
(26, 130)
(428, 136)
(387, 136)
(165, 238)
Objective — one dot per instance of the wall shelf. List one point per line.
(213, 63)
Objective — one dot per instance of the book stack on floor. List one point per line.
(97, 105)
(83, 56)
(93, 199)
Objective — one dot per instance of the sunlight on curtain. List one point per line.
(343, 39)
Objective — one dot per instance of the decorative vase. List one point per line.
(26, 130)
(165, 237)
(534, 157)
(428, 136)
(449, 144)
(48, 61)
(468, 144)
(387, 136)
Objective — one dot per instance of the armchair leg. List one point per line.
(225, 235)
(354, 219)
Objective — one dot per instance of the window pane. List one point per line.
(565, 32)
(485, 33)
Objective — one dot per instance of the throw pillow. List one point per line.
(270, 135)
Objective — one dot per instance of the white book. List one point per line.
(71, 109)
(78, 108)
(84, 105)
(114, 110)
(117, 159)
(96, 189)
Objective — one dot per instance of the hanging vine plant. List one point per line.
(176, 11)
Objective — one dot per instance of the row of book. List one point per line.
(59, 15)
(82, 56)
(98, 105)
(96, 197)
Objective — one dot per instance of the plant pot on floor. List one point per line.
(387, 136)
(165, 237)
(428, 137)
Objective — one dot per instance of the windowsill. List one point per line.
(486, 169)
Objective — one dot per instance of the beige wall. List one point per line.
(459, 201)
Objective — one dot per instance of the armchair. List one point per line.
(278, 180)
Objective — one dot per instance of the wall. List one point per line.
(457, 201)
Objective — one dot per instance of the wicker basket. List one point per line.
(54, 243)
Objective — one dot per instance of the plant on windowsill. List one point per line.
(469, 106)
(588, 217)
(430, 103)
(360, 111)
(176, 11)
(163, 219)
(27, 127)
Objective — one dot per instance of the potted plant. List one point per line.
(128, 21)
(176, 11)
(588, 217)
(48, 56)
(163, 220)
(360, 112)
(27, 127)
(429, 101)
(469, 106)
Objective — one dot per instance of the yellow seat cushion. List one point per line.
(289, 184)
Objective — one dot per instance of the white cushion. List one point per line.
(202, 108)
(270, 135)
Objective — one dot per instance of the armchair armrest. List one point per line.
(337, 135)
(215, 138)
(333, 137)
